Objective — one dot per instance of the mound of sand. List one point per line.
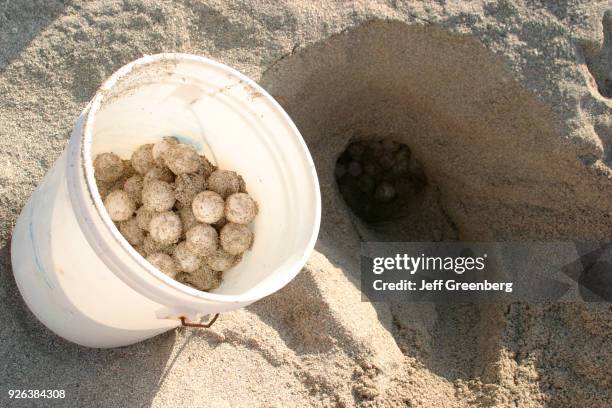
(505, 105)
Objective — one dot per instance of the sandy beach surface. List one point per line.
(507, 106)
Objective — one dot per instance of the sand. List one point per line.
(506, 105)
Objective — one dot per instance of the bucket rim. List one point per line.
(135, 280)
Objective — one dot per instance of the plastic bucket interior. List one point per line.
(239, 127)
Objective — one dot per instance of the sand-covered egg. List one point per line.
(161, 148)
(185, 259)
(158, 195)
(202, 239)
(108, 167)
(119, 205)
(208, 207)
(182, 159)
(142, 159)
(131, 231)
(235, 238)
(224, 182)
(240, 208)
(203, 278)
(164, 263)
(221, 260)
(165, 227)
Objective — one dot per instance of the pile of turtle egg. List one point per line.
(378, 179)
(188, 218)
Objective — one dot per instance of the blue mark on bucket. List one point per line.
(39, 267)
(187, 140)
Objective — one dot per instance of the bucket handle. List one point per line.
(185, 323)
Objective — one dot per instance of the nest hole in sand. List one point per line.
(491, 167)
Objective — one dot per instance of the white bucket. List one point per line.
(76, 272)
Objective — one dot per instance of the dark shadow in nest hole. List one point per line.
(379, 179)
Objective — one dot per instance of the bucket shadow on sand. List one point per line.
(35, 358)
(484, 143)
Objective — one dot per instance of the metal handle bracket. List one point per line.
(185, 323)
